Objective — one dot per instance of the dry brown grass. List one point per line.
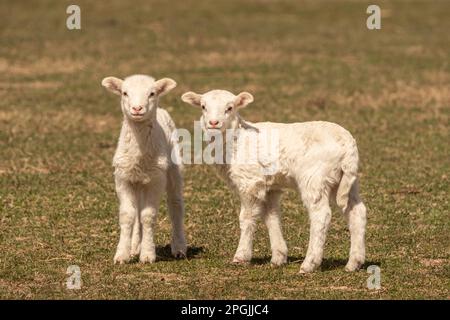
(56, 121)
(434, 96)
(40, 67)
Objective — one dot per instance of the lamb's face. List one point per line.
(138, 97)
(219, 107)
(139, 94)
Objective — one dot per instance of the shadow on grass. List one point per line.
(328, 264)
(165, 254)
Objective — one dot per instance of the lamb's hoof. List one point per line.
(353, 265)
(135, 252)
(305, 271)
(179, 255)
(241, 260)
(122, 258)
(147, 257)
(278, 259)
(179, 251)
(307, 268)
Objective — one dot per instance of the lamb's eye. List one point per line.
(152, 94)
(229, 109)
(125, 94)
(203, 107)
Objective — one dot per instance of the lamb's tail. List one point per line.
(350, 173)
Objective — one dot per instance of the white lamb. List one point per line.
(320, 159)
(144, 169)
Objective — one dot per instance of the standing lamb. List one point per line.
(320, 159)
(143, 168)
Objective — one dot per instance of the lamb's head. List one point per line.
(220, 107)
(139, 94)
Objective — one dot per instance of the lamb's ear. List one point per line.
(243, 99)
(113, 84)
(192, 98)
(164, 85)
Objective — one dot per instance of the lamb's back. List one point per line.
(308, 134)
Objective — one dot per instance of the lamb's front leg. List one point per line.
(251, 210)
(150, 200)
(273, 223)
(128, 211)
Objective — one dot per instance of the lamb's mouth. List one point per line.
(137, 115)
(214, 129)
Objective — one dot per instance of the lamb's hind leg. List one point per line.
(251, 210)
(175, 205)
(272, 220)
(355, 214)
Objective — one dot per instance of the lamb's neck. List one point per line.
(237, 123)
(236, 126)
(232, 132)
(137, 132)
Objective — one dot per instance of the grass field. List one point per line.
(302, 60)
